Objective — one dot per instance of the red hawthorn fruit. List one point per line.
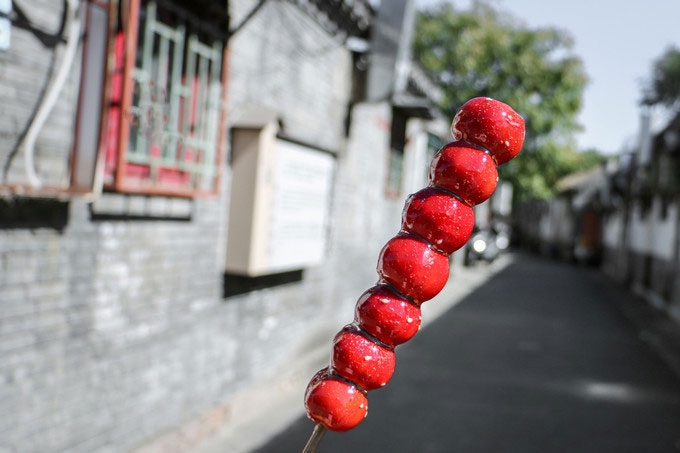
(413, 268)
(491, 124)
(387, 316)
(334, 403)
(465, 170)
(439, 218)
(361, 360)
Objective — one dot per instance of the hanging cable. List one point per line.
(52, 95)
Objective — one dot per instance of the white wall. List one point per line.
(653, 233)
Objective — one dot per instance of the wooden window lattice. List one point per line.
(175, 110)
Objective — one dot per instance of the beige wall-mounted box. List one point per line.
(280, 201)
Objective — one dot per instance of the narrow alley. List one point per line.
(540, 359)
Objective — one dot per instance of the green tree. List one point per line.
(486, 52)
(664, 87)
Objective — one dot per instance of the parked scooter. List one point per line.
(487, 244)
(481, 247)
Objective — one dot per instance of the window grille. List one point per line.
(164, 129)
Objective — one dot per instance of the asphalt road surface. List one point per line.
(540, 359)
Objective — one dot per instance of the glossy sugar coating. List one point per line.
(335, 403)
(413, 266)
(465, 170)
(361, 360)
(492, 124)
(441, 219)
(388, 317)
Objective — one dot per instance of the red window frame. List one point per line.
(119, 173)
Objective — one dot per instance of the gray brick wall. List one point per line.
(283, 60)
(364, 218)
(106, 327)
(112, 324)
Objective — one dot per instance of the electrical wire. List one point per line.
(52, 95)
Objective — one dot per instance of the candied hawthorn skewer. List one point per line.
(413, 266)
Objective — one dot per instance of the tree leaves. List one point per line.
(664, 86)
(483, 52)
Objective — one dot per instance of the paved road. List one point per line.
(540, 359)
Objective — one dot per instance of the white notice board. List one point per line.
(300, 210)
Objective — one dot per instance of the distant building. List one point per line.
(624, 216)
(643, 226)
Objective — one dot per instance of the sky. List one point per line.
(618, 42)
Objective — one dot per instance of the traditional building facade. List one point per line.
(623, 216)
(193, 193)
(641, 225)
